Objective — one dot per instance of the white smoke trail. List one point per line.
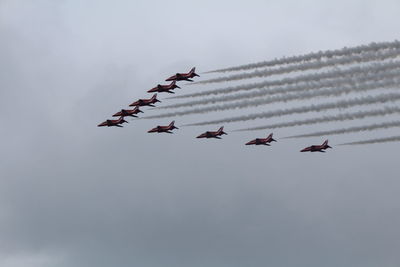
(368, 100)
(373, 141)
(364, 57)
(306, 86)
(328, 118)
(314, 56)
(335, 91)
(352, 71)
(371, 127)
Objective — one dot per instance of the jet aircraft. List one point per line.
(164, 129)
(317, 148)
(116, 123)
(164, 88)
(216, 134)
(184, 76)
(262, 141)
(146, 102)
(128, 112)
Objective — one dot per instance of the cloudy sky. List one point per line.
(73, 194)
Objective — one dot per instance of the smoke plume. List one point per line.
(314, 56)
(327, 118)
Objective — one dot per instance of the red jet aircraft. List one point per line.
(164, 88)
(116, 123)
(128, 112)
(184, 76)
(316, 148)
(216, 134)
(262, 141)
(163, 129)
(146, 102)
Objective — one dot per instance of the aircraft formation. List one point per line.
(169, 128)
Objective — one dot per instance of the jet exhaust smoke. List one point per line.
(373, 141)
(335, 91)
(359, 58)
(364, 128)
(314, 56)
(367, 100)
(329, 118)
(378, 76)
(353, 71)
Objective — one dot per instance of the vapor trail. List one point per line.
(364, 57)
(365, 70)
(373, 141)
(378, 75)
(364, 128)
(335, 91)
(330, 118)
(315, 56)
(367, 100)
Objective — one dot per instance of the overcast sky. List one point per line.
(73, 194)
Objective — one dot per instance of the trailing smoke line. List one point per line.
(329, 118)
(354, 129)
(358, 70)
(368, 100)
(373, 141)
(314, 56)
(335, 91)
(367, 57)
(308, 86)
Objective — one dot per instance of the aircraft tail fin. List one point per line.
(172, 125)
(270, 136)
(221, 130)
(122, 120)
(154, 98)
(325, 144)
(193, 72)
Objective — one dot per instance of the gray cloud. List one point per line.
(72, 194)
